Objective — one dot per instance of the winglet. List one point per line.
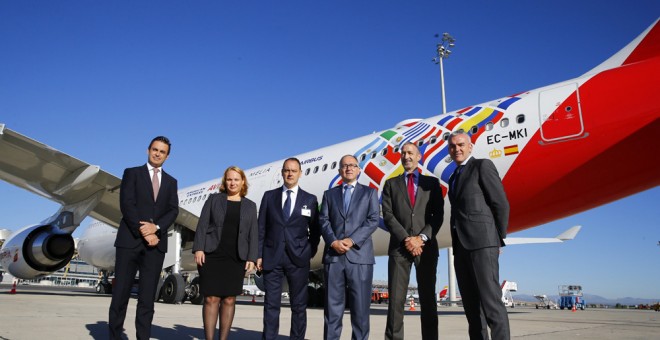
(2, 128)
(646, 45)
(570, 233)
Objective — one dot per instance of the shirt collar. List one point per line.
(354, 183)
(465, 161)
(415, 173)
(150, 168)
(294, 189)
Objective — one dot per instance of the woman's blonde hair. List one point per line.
(244, 188)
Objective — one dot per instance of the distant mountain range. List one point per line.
(596, 299)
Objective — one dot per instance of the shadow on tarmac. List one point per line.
(99, 331)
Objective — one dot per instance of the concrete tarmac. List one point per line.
(79, 313)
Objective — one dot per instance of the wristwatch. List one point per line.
(424, 237)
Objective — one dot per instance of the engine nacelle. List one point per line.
(36, 251)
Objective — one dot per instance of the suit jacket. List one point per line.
(479, 207)
(358, 223)
(136, 201)
(211, 221)
(300, 235)
(403, 220)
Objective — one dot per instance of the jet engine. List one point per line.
(36, 251)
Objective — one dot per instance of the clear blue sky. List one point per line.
(247, 82)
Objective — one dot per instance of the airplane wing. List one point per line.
(78, 186)
(565, 236)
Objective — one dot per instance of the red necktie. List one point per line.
(411, 189)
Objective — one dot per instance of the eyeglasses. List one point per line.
(348, 166)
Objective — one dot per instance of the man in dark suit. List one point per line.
(412, 211)
(349, 215)
(479, 219)
(289, 236)
(149, 205)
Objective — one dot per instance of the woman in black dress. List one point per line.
(225, 248)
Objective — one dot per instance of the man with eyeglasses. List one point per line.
(412, 212)
(349, 215)
(289, 236)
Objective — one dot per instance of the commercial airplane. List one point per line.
(560, 150)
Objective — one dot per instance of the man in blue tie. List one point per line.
(289, 236)
(349, 215)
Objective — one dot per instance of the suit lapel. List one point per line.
(146, 180)
(339, 200)
(463, 177)
(402, 186)
(297, 207)
(243, 213)
(278, 203)
(355, 198)
(422, 194)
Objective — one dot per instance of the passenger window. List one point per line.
(520, 119)
(325, 167)
(504, 122)
(334, 165)
(373, 154)
(445, 136)
(383, 152)
(474, 129)
(363, 156)
(433, 140)
(307, 171)
(420, 142)
(316, 169)
(396, 149)
(489, 126)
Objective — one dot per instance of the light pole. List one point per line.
(443, 52)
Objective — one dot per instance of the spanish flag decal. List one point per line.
(510, 150)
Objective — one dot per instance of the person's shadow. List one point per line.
(99, 331)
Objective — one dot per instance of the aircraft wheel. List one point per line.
(195, 296)
(103, 288)
(174, 289)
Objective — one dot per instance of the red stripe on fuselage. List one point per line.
(616, 158)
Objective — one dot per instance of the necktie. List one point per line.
(411, 189)
(454, 177)
(348, 192)
(286, 210)
(154, 183)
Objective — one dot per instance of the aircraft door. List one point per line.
(560, 113)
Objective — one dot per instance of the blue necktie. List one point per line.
(348, 192)
(286, 210)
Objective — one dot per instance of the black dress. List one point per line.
(223, 271)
